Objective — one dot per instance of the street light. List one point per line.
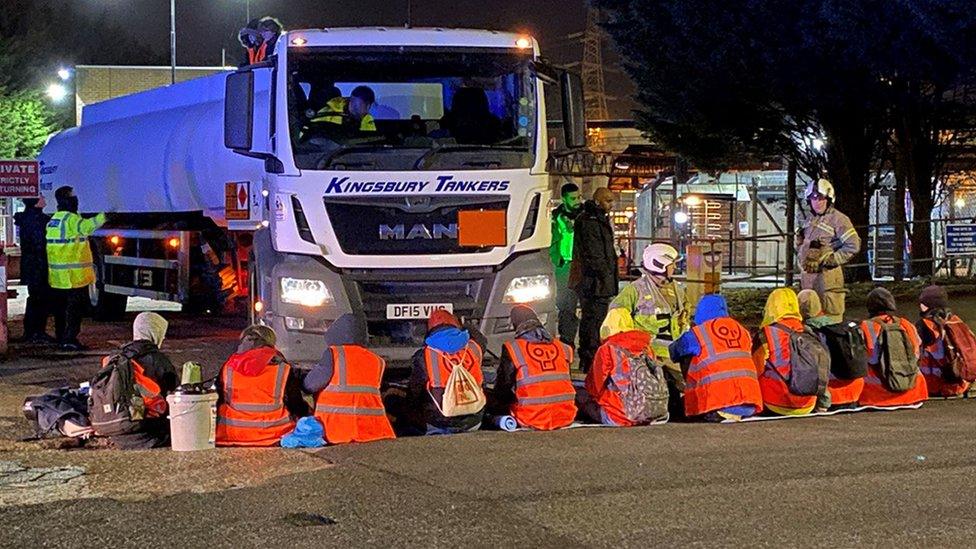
(56, 92)
(64, 74)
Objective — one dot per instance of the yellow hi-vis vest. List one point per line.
(69, 256)
(333, 110)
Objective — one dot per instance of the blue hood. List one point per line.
(448, 339)
(710, 307)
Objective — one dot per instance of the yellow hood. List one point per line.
(782, 304)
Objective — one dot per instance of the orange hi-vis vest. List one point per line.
(723, 373)
(844, 391)
(252, 411)
(350, 407)
(440, 364)
(152, 394)
(774, 390)
(875, 393)
(609, 400)
(934, 359)
(544, 395)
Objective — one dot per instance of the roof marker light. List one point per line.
(298, 41)
(523, 43)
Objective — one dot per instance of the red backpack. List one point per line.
(960, 350)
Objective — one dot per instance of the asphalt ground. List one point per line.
(884, 479)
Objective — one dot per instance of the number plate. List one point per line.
(407, 311)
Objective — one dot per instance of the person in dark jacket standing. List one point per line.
(33, 269)
(593, 273)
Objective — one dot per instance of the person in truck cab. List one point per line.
(349, 112)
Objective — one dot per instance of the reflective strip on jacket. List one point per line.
(350, 407)
(722, 374)
(544, 395)
(69, 255)
(933, 360)
(333, 113)
(875, 393)
(775, 391)
(618, 381)
(252, 410)
(440, 364)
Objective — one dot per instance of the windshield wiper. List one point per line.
(327, 161)
(424, 158)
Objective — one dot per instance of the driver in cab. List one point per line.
(351, 112)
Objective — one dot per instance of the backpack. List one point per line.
(645, 396)
(809, 363)
(462, 394)
(960, 351)
(848, 350)
(115, 406)
(897, 361)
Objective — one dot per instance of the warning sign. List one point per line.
(237, 200)
(19, 178)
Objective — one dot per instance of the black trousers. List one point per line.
(68, 308)
(566, 303)
(35, 316)
(592, 312)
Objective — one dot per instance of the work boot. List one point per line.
(73, 346)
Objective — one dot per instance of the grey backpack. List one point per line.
(809, 363)
(897, 362)
(114, 405)
(645, 395)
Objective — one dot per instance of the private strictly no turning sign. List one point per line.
(19, 178)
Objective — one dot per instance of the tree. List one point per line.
(25, 123)
(813, 80)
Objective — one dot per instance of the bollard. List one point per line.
(4, 331)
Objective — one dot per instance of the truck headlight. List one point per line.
(526, 289)
(304, 291)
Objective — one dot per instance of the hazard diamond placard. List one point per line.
(237, 200)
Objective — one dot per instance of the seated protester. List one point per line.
(153, 377)
(446, 345)
(720, 379)
(346, 384)
(772, 352)
(533, 383)
(905, 384)
(934, 304)
(609, 379)
(840, 392)
(260, 395)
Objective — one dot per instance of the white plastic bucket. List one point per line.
(192, 421)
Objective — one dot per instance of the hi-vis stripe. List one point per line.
(713, 357)
(342, 387)
(527, 380)
(437, 356)
(279, 394)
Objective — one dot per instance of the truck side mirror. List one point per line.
(247, 112)
(574, 119)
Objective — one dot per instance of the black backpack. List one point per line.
(809, 363)
(848, 350)
(115, 406)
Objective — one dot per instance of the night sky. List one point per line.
(204, 27)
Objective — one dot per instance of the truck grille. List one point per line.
(404, 225)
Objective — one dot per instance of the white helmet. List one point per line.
(657, 257)
(821, 187)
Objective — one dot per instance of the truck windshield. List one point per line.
(411, 108)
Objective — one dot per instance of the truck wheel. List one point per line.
(107, 307)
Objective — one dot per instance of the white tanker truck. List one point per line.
(224, 187)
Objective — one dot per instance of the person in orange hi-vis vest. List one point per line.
(260, 395)
(772, 350)
(881, 308)
(716, 361)
(346, 384)
(934, 305)
(446, 344)
(533, 383)
(840, 392)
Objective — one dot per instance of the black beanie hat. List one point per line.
(880, 301)
(934, 297)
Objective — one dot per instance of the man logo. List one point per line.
(436, 231)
